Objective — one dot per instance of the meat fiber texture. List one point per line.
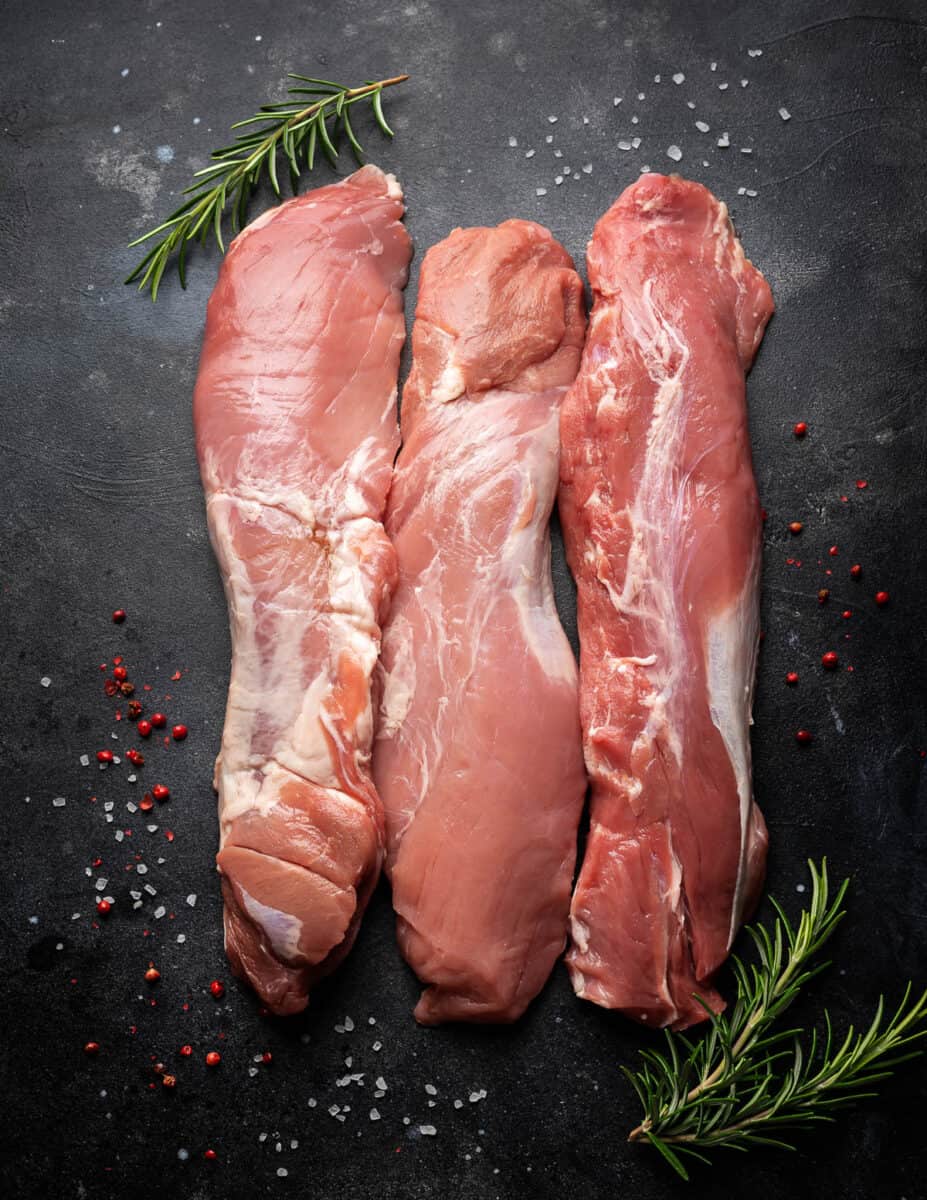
(478, 755)
(662, 526)
(296, 429)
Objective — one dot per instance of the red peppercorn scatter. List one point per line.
(146, 804)
(792, 678)
(135, 710)
(795, 527)
(120, 674)
(800, 429)
(119, 616)
(179, 732)
(803, 737)
(135, 758)
(846, 614)
(861, 484)
(830, 661)
(217, 988)
(160, 792)
(267, 1057)
(881, 598)
(105, 756)
(159, 720)
(856, 571)
(823, 595)
(103, 907)
(169, 1081)
(833, 552)
(152, 975)
(209, 1155)
(213, 1058)
(92, 1048)
(186, 1051)
(144, 729)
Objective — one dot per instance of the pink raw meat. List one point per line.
(296, 429)
(478, 756)
(662, 526)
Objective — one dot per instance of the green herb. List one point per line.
(298, 127)
(747, 1081)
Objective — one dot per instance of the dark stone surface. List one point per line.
(102, 508)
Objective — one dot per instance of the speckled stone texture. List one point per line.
(105, 110)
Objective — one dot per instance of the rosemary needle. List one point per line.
(314, 118)
(748, 1080)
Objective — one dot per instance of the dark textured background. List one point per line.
(101, 508)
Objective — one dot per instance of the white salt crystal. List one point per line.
(558, 154)
(348, 1025)
(635, 120)
(133, 808)
(623, 145)
(85, 758)
(100, 884)
(558, 179)
(181, 938)
(724, 140)
(45, 681)
(152, 828)
(722, 87)
(751, 191)
(119, 835)
(431, 1089)
(702, 126)
(754, 53)
(616, 101)
(191, 899)
(679, 78)
(150, 890)
(548, 138)
(635, 142)
(142, 869)
(540, 191)
(381, 1083)
(641, 96)
(159, 912)
(587, 169)
(513, 142)
(552, 120)
(529, 154)
(785, 114)
(374, 1115)
(674, 153)
(713, 66)
(131, 778)
(59, 802)
(427, 1130)
(741, 191)
(744, 82)
(745, 150)
(458, 1103)
(656, 78)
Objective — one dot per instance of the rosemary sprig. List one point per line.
(747, 1081)
(298, 127)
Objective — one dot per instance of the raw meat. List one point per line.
(662, 526)
(478, 755)
(296, 427)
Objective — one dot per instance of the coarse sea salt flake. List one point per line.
(558, 179)
(159, 912)
(674, 153)
(552, 119)
(45, 681)
(679, 78)
(616, 101)
(623, 145)
(587, 169)
(427, 1130)
(142, 869)
(741, 191)
(191, 899)
(548, 138)
(724, 140)
(431, 1089)
(85, 758)
(754, 53)
(702, 126)
(785, 114)
(381, 1083)
(513, 142)
(529, 154)
(100, 884)
(540, 191)
(722, 87)
(635, 142)
(151, 890)
(119, 835)
(59, 802)
(374, 1115)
